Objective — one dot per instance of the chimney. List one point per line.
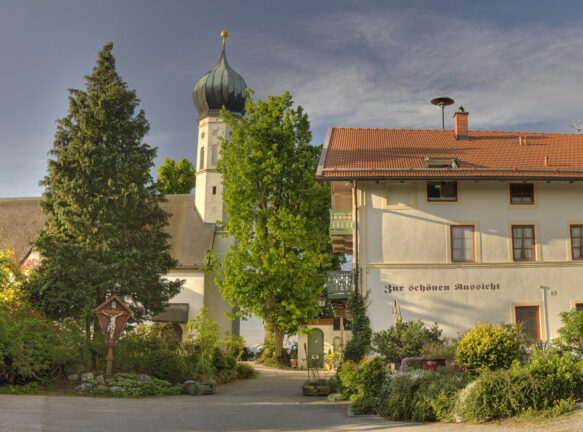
(460, 119)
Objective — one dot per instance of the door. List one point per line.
(316, 348)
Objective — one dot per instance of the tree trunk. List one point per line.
(274, 341)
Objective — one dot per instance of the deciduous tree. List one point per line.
(175, 178)
(277, 214)
(103, 231)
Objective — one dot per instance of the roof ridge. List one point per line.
(452, 131)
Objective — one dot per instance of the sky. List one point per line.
(513, 65)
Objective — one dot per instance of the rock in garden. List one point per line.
(99, 379)
(116, 389)
(84, 388)
(121, 379)
(145, 378)
(191, 387)
(88, 376)
(109, 380)
(73, 377)
(100, 387)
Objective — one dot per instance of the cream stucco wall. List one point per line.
(405, 242)
(192, 290)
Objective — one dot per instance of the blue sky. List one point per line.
(514, 65)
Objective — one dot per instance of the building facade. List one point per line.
(460, 226)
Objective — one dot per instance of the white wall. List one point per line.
(405, 241)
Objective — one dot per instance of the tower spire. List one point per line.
(224, 35)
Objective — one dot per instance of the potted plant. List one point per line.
(332, 359)
(437, 355)
(293, 357)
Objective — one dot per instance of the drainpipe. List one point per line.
(356, 269)
(544, 290)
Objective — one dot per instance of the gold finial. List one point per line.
(224, 35)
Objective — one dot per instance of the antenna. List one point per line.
(577, 128)
(442, 101)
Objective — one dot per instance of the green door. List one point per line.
(316, 348)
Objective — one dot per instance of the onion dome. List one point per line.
(221, 86)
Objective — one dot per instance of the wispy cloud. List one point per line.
(380, 68)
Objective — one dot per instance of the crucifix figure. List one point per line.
(111, 325)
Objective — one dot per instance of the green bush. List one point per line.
(362, 383)
(498, 394)
(348, 378)
(245, 371)
(489, 346)
(561, 376)
(371, 377)
(538, 386)
(166, 365)
(421, 395)
(134, 348)
(405, 339)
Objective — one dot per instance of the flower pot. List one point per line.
(433, 364)
(316, 390)
(293, 363)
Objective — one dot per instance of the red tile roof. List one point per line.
(354, 153)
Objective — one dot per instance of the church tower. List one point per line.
(218, 88)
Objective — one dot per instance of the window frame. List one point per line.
(580, 247)
(433, 199)
(521, 185)
(534, 255)
(452, 248)
(538, 323)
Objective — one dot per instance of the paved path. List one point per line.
(271, 402)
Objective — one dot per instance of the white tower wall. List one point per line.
(209, 190)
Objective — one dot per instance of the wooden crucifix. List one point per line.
(113, 316)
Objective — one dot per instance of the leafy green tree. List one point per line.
(206, 336)
(176, 178)
(278, 216)
(571, 333)
(103, 230)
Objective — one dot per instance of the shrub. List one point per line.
(498, 394)
(348, 378)
(489, 346)
(405, 339)
(561, 376)
(245, 371)
(371, 377)
(421, 395)
(362, 383)
(166, 365)
(134, 347)
(219, 360)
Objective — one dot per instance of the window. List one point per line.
(523, 242)
(201, 162)
(442, 191)
(577, 242)
(522, 193)
(528, 317)
(579, 306)
(440, 163)
(214, 190)
(462, 243)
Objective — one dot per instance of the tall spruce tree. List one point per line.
(277, 214)
(103, 231)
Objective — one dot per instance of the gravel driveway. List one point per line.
(271, 402)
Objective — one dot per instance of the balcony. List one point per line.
(341, 231)
(339, 286)
(340, 222)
